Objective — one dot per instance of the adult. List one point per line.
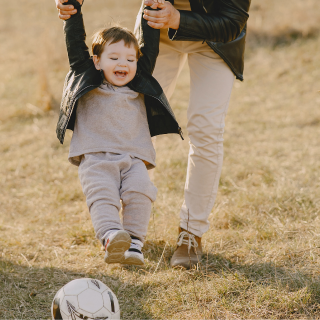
(211, 35)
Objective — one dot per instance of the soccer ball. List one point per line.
(85, 299)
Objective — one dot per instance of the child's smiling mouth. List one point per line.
(121, 74)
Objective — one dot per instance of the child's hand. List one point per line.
(154, 4)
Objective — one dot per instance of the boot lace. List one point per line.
(190, 241)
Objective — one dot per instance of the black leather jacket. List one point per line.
(221, 24)
(84, 77)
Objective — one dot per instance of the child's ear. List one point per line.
(96, 62)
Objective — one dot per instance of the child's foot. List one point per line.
(117, 243)
(134, 255)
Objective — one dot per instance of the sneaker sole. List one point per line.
(117, 247)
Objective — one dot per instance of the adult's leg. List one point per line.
(168, 67)
(169, 64)
(211, 83)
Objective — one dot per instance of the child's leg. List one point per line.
(99, 175)
(137, 193)
(100, 179)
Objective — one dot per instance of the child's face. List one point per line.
(118, 62)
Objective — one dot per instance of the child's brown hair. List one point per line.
(113, 35)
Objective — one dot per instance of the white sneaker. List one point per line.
(134, 256)
(116, 244)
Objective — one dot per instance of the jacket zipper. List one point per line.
(217, 51)
(179, 129)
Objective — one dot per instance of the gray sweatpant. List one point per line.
(107, 178)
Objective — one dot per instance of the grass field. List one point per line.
(262, 252)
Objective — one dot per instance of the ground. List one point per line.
(262, 251)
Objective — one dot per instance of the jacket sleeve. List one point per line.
(223, 23)
(75, 36)
(149, 46)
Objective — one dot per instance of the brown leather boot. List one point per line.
(189, 251)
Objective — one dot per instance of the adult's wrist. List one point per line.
(176, 20)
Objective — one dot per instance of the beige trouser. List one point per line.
(211, 82)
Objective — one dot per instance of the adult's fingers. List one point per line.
(61, 6)
(154, 19)
(156, 14)
(58, 1)
(67, 12)
(64, 17)
(155, 25)
(149, 2)
(155, 5)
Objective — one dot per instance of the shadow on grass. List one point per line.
(263, 273)
(266, 276)
(27, 293)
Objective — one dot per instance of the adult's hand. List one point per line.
(65, 12)
(167, 17)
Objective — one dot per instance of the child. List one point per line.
(114, 106)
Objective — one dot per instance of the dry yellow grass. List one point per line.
(262, 252)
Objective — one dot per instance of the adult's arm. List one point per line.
(224, 24)
(75, 36)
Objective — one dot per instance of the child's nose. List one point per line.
(123, 63)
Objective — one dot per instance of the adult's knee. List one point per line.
(206, 134)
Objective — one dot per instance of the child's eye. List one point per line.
(131, 60)
(114, 58)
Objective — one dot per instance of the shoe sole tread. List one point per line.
(117, 247)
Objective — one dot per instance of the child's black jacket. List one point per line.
(84, 77)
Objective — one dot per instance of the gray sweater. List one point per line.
(112, 119)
